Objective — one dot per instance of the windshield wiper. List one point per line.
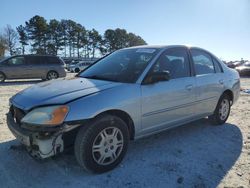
(96, 77)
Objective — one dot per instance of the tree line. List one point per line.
(67, 37)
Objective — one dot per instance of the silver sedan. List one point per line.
(129, 94)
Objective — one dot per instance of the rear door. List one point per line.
(209, 81)
(167, 103)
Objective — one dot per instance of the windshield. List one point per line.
(121, 66)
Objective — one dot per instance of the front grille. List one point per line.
(17, 114)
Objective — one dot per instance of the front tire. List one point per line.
(222, 111)
(101, 145)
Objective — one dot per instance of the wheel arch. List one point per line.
(52, 70)
(230, 94)
(4, 75)
(125, 117)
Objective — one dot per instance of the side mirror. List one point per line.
(158, 77)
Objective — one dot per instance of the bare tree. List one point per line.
(3, 45)
(11, 37)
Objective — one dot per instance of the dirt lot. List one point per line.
(196, 155)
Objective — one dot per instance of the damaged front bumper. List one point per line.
(40, 143)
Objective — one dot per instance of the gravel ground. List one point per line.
(195, 155)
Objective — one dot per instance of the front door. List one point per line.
(168, 103)
(16, 67)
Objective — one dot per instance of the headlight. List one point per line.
(51, 115)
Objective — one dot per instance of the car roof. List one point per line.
(33, 55)
(163, 46)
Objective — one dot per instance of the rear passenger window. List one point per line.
(34, 60)
(175, 61)
(53, 60)
(43, 60)
(217, 66)
(203, 63)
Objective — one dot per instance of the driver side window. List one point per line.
(175, 61)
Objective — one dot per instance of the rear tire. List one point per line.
(222, 111)
(2, 77)
(101, 145)
(52, 75)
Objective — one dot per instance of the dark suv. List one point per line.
(32, 66)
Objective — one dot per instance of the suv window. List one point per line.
(175, 61)
(43, 60)
(203, 63)
(53, 60)
(16, 61)
(34, 60)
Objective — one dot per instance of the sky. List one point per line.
(220, 26)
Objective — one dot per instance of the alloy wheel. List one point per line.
(224, 109)
(52, 75)
(107, 146)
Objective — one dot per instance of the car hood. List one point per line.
(59, 91)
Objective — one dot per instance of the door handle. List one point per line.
(221, 81)
(189, 87)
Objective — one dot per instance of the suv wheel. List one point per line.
(2, 77)
(77, 70)
(222, 111)
(101, 145)
(52, 75)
